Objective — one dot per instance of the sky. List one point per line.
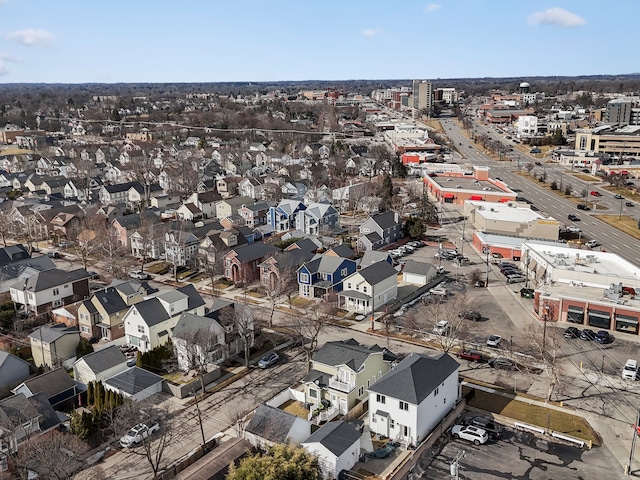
(110, 41)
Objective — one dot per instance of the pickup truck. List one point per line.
(138, 433)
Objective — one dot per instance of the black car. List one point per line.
(603, 337)
(572, 332)
(588, 335)
(573, 218)
(53, 255)
(487, 424)
(470, 315)
(582, 206)
(629, 204)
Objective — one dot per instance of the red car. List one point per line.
(470, 355)
(596, 193)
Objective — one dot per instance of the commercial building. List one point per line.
(594, 289)
(422, 95)
(510, 218)
(457, 186)
(610, 139)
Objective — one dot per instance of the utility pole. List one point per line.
(627, 468)
(454, 468)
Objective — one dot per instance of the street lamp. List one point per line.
(620, 216)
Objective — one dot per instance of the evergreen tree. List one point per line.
(90, 393)
(280, 462)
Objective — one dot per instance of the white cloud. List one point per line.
(556, 16)
(432, 7)
(8, 58)
(3, 69)
(30, 37)
(370, 32)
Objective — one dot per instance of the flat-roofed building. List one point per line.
(610, 139)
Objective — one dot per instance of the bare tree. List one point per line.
(112, 252)
(5, 226)
(142, 169)
(307, 326)
(282, 283)
(210, 263)
(243, 320)
(55, 455)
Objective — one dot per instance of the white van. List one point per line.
(630, 369)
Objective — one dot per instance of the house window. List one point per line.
(364, 289)
(83, 316)
(140, 329)
(56, 291)
(304, 277)
(361, 390)
(348, 285)
(404, 405)
(134, 341)
(305, 290)
(444, 401)
(368, 382)
(373, 418)
(381, 399)
(56, 303)
(392, 424)
(344, 272)
(85, 329)
(435, 392)
(313, 393)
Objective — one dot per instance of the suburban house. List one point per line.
(374, 256)
(379, 231)
(270, 426)
(123, 227)
(49, 289)
(278, 270)
(181, 247)
(13, 370)
(57, 386)
(418, 273)
(101, 316)
(227, 186)
(23, 417)
(135, 383)
(13, 253)
(241, 264)
(189, 211)
(342, 371)
(377, 282)
(150, 323)
(230, 206)
(255, 215)
(337, 446)
(99, 366)
(317, 219)
(53, 344)
(410, 400)
(324, 275)
(147, 241)
(283, 216)
(205, 202)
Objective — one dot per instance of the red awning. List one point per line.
(505, 200)
(448, 195)
(475, 197)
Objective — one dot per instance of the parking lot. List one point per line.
(517, 455)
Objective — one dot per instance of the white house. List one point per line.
(99, 366)
(410, 400)
(377, 282)
(270, 425)
(337, 446)
(418, 273)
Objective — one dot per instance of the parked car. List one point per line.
(488, 425)
(470, 315)
(596, 193)
(573, 218)
(572, 332)
(516, 278)
(587, 334)
(527, 292)
(441, 328)
(480, 283)
(573, 229)
(93, 275)
(473, 434)
(583, 206)
(139, 275)
(603, 337)
(138, 433)
(470, 355)
(503, 363)
(592, 244)
(439, 290)
(630, 369)
(53, 255)
(494, 341)
(617, 196)
(268, 360)
(629, 204)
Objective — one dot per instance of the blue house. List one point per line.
(324, 275)
(282, 217)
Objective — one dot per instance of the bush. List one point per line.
(554, 185)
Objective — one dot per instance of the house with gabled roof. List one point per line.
(56, 385)
(337, 446)
(13, 370)
(124, 226)
(271, 426)
(205, 201)
(279, 268)
(317, 219)
(53, 344)
(99, 365)
(150, 323)
(181, 247)
(341, 372)
(369, 288)
(379, 231)
(413, 398)
(374, 256)
(241, 264)
(324, 275)
(49, 289)
(231, 205)
(282, 217)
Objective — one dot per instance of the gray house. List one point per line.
(270, 425)
(13, 370)
(418, 273)
(99, 366)
(380, 230)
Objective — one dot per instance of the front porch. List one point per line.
(354, 302)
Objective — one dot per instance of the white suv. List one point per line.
(473, 434)
(441, 328)
(630, 369)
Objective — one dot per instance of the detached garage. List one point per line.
(418, 273)
(135, 383)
